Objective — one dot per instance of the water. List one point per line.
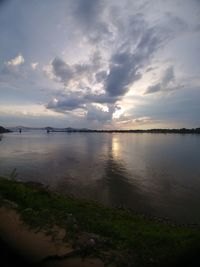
(157, 174)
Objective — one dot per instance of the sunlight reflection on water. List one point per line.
(156, 174)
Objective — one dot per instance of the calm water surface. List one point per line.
(156, 174)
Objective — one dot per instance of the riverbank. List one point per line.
(87, 230)
(24, 246)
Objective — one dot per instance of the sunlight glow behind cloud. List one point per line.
(100, 64)
(18, 60)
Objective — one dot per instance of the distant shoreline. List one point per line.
(163, 131)
(74, 130)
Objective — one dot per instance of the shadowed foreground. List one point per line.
(9, 257)
(91, 232)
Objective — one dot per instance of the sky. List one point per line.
(100, 64)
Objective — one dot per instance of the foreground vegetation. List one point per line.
(116, 236)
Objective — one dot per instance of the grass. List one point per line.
(121, 236)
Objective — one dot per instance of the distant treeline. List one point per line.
(164, 131)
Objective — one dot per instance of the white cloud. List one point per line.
(18, 60)
(128, 122)
(27, 110)
(14, 67)
(167, 82)
(34, 65)
(48, 71)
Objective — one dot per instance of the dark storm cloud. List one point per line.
(123, 71)
(79, 100)
(88, 11)
(100, 98)
(90, 67)
(153, 88)
(3, 1)
(140, 44)
(67, 103)
(62, 70)
(167, 78)
(88, 14)
(97, 114)
(65, 72)
(100, 76)
(130, 38)
(125, 66)
(81, 96)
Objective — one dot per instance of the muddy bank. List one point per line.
(21, 246)
(35, 246)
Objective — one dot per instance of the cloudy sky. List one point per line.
(100, 63)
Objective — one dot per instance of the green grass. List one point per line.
(124, 237)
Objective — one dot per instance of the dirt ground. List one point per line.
(21, 246)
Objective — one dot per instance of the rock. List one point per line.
(87, 240)
(92, 242)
